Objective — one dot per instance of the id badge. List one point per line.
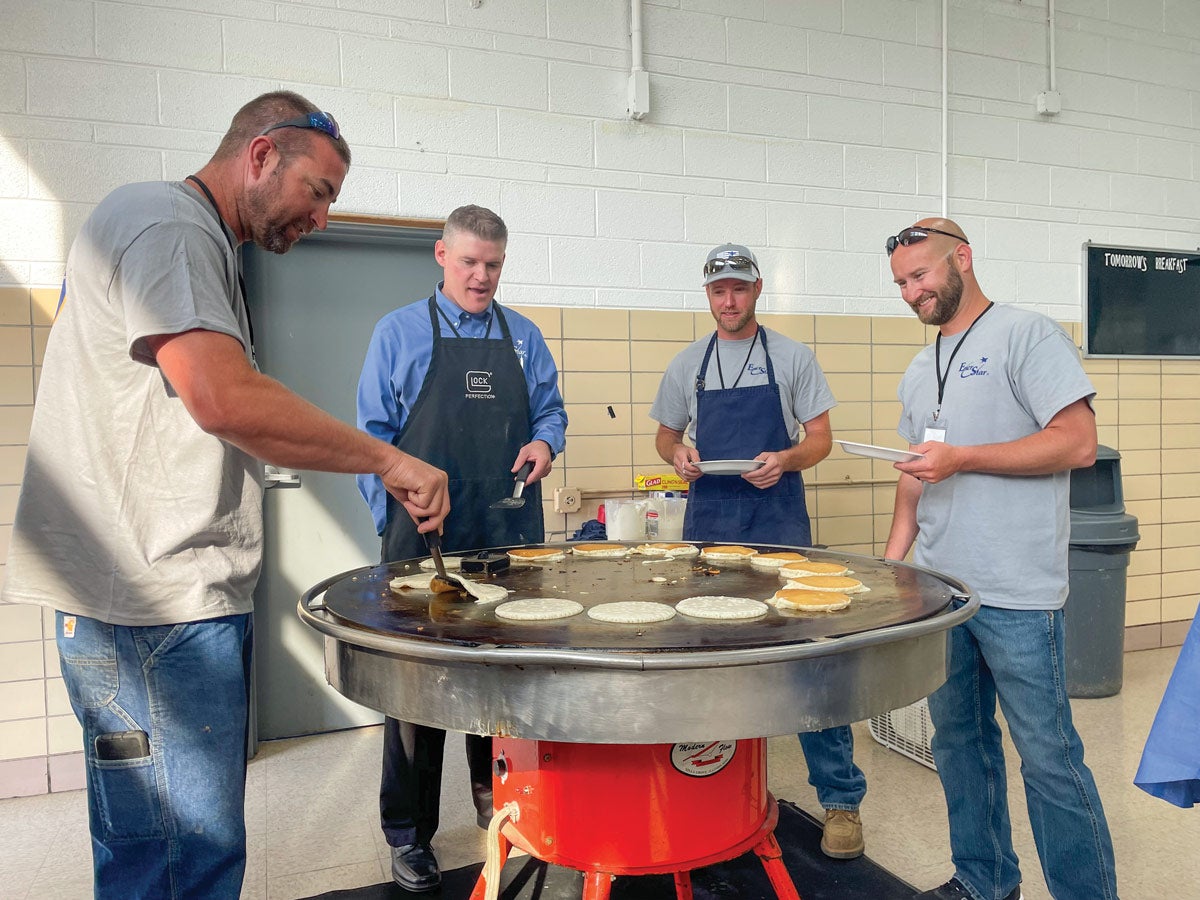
(935, 429)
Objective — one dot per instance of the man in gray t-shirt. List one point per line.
(1000, 408)
(139, 520)
(745, 393)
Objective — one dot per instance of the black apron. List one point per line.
(740, 423)
(471, 418)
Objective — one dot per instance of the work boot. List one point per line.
(843, 836)
(415, 868)
(954, 890)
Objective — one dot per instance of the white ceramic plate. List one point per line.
(888, 453)
(729, 466)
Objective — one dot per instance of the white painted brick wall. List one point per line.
(158, 37)
(809, 127)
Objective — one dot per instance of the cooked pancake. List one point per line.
(538, 609)
(535, 554)
(811, 567)
(837, 583)
(721, 608)
(453, 563)
(810, 601)
(727, 553)
(600, 550)
(631, 612)
(777, 559)
(668, 549)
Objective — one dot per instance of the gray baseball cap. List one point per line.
(730, 261)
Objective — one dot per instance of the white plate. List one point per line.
(729, 466)
(888, 453)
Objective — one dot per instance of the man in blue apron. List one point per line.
(745, 393)
(474, 387)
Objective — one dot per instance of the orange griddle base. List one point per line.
(637, 809)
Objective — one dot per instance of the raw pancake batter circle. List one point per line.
(631, 612)
(717, 607)
(538, 609)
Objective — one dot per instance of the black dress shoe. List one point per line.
(415, 868)
(483, 805)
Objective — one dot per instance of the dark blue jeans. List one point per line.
(1016, 656)
(164, 715)
(840, 783)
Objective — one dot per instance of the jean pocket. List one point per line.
(126, 797)
(88, 657)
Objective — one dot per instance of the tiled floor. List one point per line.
(312, 814)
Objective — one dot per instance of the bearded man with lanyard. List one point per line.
(1000, 409)
(460, 380)
(744, 393)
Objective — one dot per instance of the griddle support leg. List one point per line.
(683, 886)
(768, 851)
(480, 890)
(597, 886)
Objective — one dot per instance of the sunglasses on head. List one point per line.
(737, 263)
(321, 121)
(915, 235)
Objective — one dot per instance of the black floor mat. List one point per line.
(815, 875)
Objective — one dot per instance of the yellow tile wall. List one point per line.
(1149, 410)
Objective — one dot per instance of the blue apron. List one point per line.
(740, 423)
(1170, 767)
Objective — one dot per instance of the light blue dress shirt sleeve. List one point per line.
(397, 361)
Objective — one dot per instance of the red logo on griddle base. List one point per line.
(700, 759)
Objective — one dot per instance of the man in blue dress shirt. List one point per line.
(474, 386)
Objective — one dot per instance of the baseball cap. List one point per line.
(730, 261)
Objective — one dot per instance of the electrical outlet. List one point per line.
(567, 499)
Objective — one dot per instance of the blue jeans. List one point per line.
(1017, 656)
(839, 782)
(164, 714)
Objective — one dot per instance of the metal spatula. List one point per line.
(441, 582)
(516, 501)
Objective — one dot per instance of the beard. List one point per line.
(946, 300)
(738, 324)
(268, 228)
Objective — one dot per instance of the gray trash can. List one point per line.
(1102, 537)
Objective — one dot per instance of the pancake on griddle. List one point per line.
(452, 563)
(727, 553)
(809, 601)
(837, 583)
(631, 612)
(600, 550)
(777, 559)
(539, 609)
(812, 567)
(536, 554)
(716, 607)
(668, 549)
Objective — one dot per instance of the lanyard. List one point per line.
(720, 374)
(225, 231)
(943, 377)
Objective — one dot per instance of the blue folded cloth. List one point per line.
(591, 530)
(1170, 766)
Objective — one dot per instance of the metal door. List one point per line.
(313, 312)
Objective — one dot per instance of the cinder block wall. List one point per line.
(806, 130)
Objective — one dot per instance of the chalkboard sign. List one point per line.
(1141, 302)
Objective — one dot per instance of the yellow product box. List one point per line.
(667, 481)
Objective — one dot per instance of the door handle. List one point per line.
(273, 478)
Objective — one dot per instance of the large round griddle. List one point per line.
(452, 663)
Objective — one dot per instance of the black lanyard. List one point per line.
(232, 246)
(720, 374)
(943, 377)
